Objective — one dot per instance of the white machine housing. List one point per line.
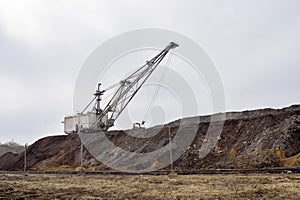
(82, 121)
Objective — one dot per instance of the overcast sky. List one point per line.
(255, 46)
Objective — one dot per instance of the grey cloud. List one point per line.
(254, 44)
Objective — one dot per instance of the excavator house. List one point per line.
(98, 119)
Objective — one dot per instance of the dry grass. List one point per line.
(258, 186)
(291, 161)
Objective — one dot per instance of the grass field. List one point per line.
(254, 186)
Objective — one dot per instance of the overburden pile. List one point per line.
(249, 139)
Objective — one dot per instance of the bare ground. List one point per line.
(254, 186)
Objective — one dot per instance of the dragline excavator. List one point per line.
(102, 119)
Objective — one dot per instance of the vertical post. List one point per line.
(81, 145)
(171, 155)
(81, 155)
(25, 158)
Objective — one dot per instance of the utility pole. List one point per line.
(171, 155)
(25, 158)
(81, 145)
(81, 155)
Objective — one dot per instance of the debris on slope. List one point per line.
(249, 139)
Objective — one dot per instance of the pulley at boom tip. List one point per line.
(172, 45)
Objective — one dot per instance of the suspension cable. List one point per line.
(88, 105)
(154, 97)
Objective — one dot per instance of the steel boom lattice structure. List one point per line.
(128, 88)
(99, 119)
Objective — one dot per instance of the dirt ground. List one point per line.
(254, 186)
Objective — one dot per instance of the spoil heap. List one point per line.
(249, 139)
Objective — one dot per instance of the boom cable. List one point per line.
(158, 86)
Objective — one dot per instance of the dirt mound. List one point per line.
(54, 150)
(10, 147)
(249, 139)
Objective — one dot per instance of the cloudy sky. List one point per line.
(255, 46)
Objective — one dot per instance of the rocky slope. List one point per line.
(249, 139)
